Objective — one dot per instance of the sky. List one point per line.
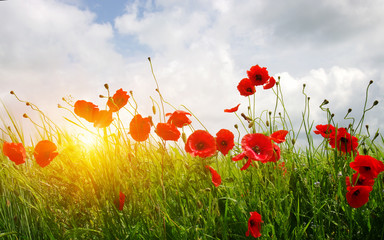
(200, 50)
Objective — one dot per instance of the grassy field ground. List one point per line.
(169, 194)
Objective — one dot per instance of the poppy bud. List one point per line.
(106, 86)
(349, 110)
(149, 58)
(293, 141)
(304, 85)
(12, 92)
(207, 189)
(184, 137)
(236, 126)
(325, 102)
(370, 82)
(376, 135)
(375, 103)
(309, 98)
(27, 103)
(267, 123)
(102, 96)
(154, 109)
(59, 106)
(270, 113)
(250, 125)
(332, 115)
(25, 115)
(131, 92)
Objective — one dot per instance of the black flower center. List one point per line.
(256, 149)
(356, 193)
(252, 223)
(200, 146)
(366, 168)
(249, 90)
(258, 77)
(223, 143)
(344, 140)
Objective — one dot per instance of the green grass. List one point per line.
(169, 194)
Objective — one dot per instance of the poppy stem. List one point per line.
(157, 89)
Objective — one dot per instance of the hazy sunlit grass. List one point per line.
(170, 194)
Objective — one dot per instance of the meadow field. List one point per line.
(165, 176)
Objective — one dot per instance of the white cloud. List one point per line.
(200, 51)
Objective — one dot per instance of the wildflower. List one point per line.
(15, 152)
(103, 119)
(367, 166)
(343, 141)
(86, 110)
(270, 83)
(216, 178)
(224, 141)
(276, 155)
(118, 101)
(121, 201)
(278, 136)
(231, 110)
(179, 118)
(245, 87)
(167, 131)
(357, 196)
(45, 152)
(256, 147)
(139, 128)
(359, 180)
(258, 75)
(201, 143)
(254, 225)
(325, 130)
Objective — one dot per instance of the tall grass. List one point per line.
(169, 194)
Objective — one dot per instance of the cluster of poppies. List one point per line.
(257, 76)
(367, 168)
(44, 152)
(101, 118)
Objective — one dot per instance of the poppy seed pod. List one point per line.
(106, 86)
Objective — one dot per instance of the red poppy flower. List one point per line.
(343, 141)
(256, 147)
(216, 178)
(15, 152)
(121, 201)
(276, 155)
(179, 118)
(231, 110)
(201, 143)
(367, 166)
(279, 136)
(45, 152)
(258, 75)
(167, 131)
(86, 110)
(325, 130)
(139, 128)
(119, 100)
(270, 83)
(103, 119)
(359, 180)
(246, 88)
(224, 141)
(357, 196)
(254, 225)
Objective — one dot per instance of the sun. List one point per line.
(87, 139)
